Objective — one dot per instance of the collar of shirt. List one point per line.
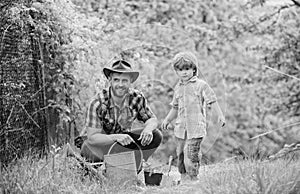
(125, 102)
(115, 113)
(193, 79)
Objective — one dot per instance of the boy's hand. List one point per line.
(221, 120)
(165, 124)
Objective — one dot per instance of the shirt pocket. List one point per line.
(192, 97)
(195, 102)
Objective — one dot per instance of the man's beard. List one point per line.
(119, 94)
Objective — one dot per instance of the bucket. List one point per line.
(152, 179)
(123, 162)
(120, 166)
(138, 154)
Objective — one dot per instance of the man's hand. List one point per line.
(146, 137)
(123, 139)
(221, 120)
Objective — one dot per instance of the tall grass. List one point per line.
(253, 177)
(244, 177)
(64, 175)
(58, 175)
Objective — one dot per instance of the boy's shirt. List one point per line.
(191, 99)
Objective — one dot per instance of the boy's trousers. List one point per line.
(189, 155)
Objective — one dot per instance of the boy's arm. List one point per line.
(171, 116)
(221, 119)
(211, 99)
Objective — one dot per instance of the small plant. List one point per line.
(54, 151)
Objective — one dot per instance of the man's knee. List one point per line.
(93, 153)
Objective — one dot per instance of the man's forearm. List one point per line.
(97, 138)
(101, 139)
(151, 124)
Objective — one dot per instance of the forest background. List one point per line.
(248, 52)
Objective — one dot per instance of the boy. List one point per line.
(190, 99)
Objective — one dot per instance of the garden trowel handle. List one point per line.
(170, 162)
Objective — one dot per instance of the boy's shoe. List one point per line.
(194, 178)
(185, 178)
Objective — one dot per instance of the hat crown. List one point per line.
(121, 65)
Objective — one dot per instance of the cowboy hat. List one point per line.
(121, 66)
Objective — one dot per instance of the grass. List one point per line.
(63, 175)
(30, 175)
(246, 176)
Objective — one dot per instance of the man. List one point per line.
(111, 113)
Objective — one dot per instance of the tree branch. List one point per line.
(296, 3)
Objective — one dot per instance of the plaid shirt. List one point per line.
(191, 100)
(109, 118)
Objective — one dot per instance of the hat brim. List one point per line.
(134, 74)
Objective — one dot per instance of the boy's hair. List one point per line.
(184, 60)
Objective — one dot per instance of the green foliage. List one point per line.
(234, 41)
(230, 44)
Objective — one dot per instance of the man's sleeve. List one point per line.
(144, 111)
(92, 120)
(208, 94)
